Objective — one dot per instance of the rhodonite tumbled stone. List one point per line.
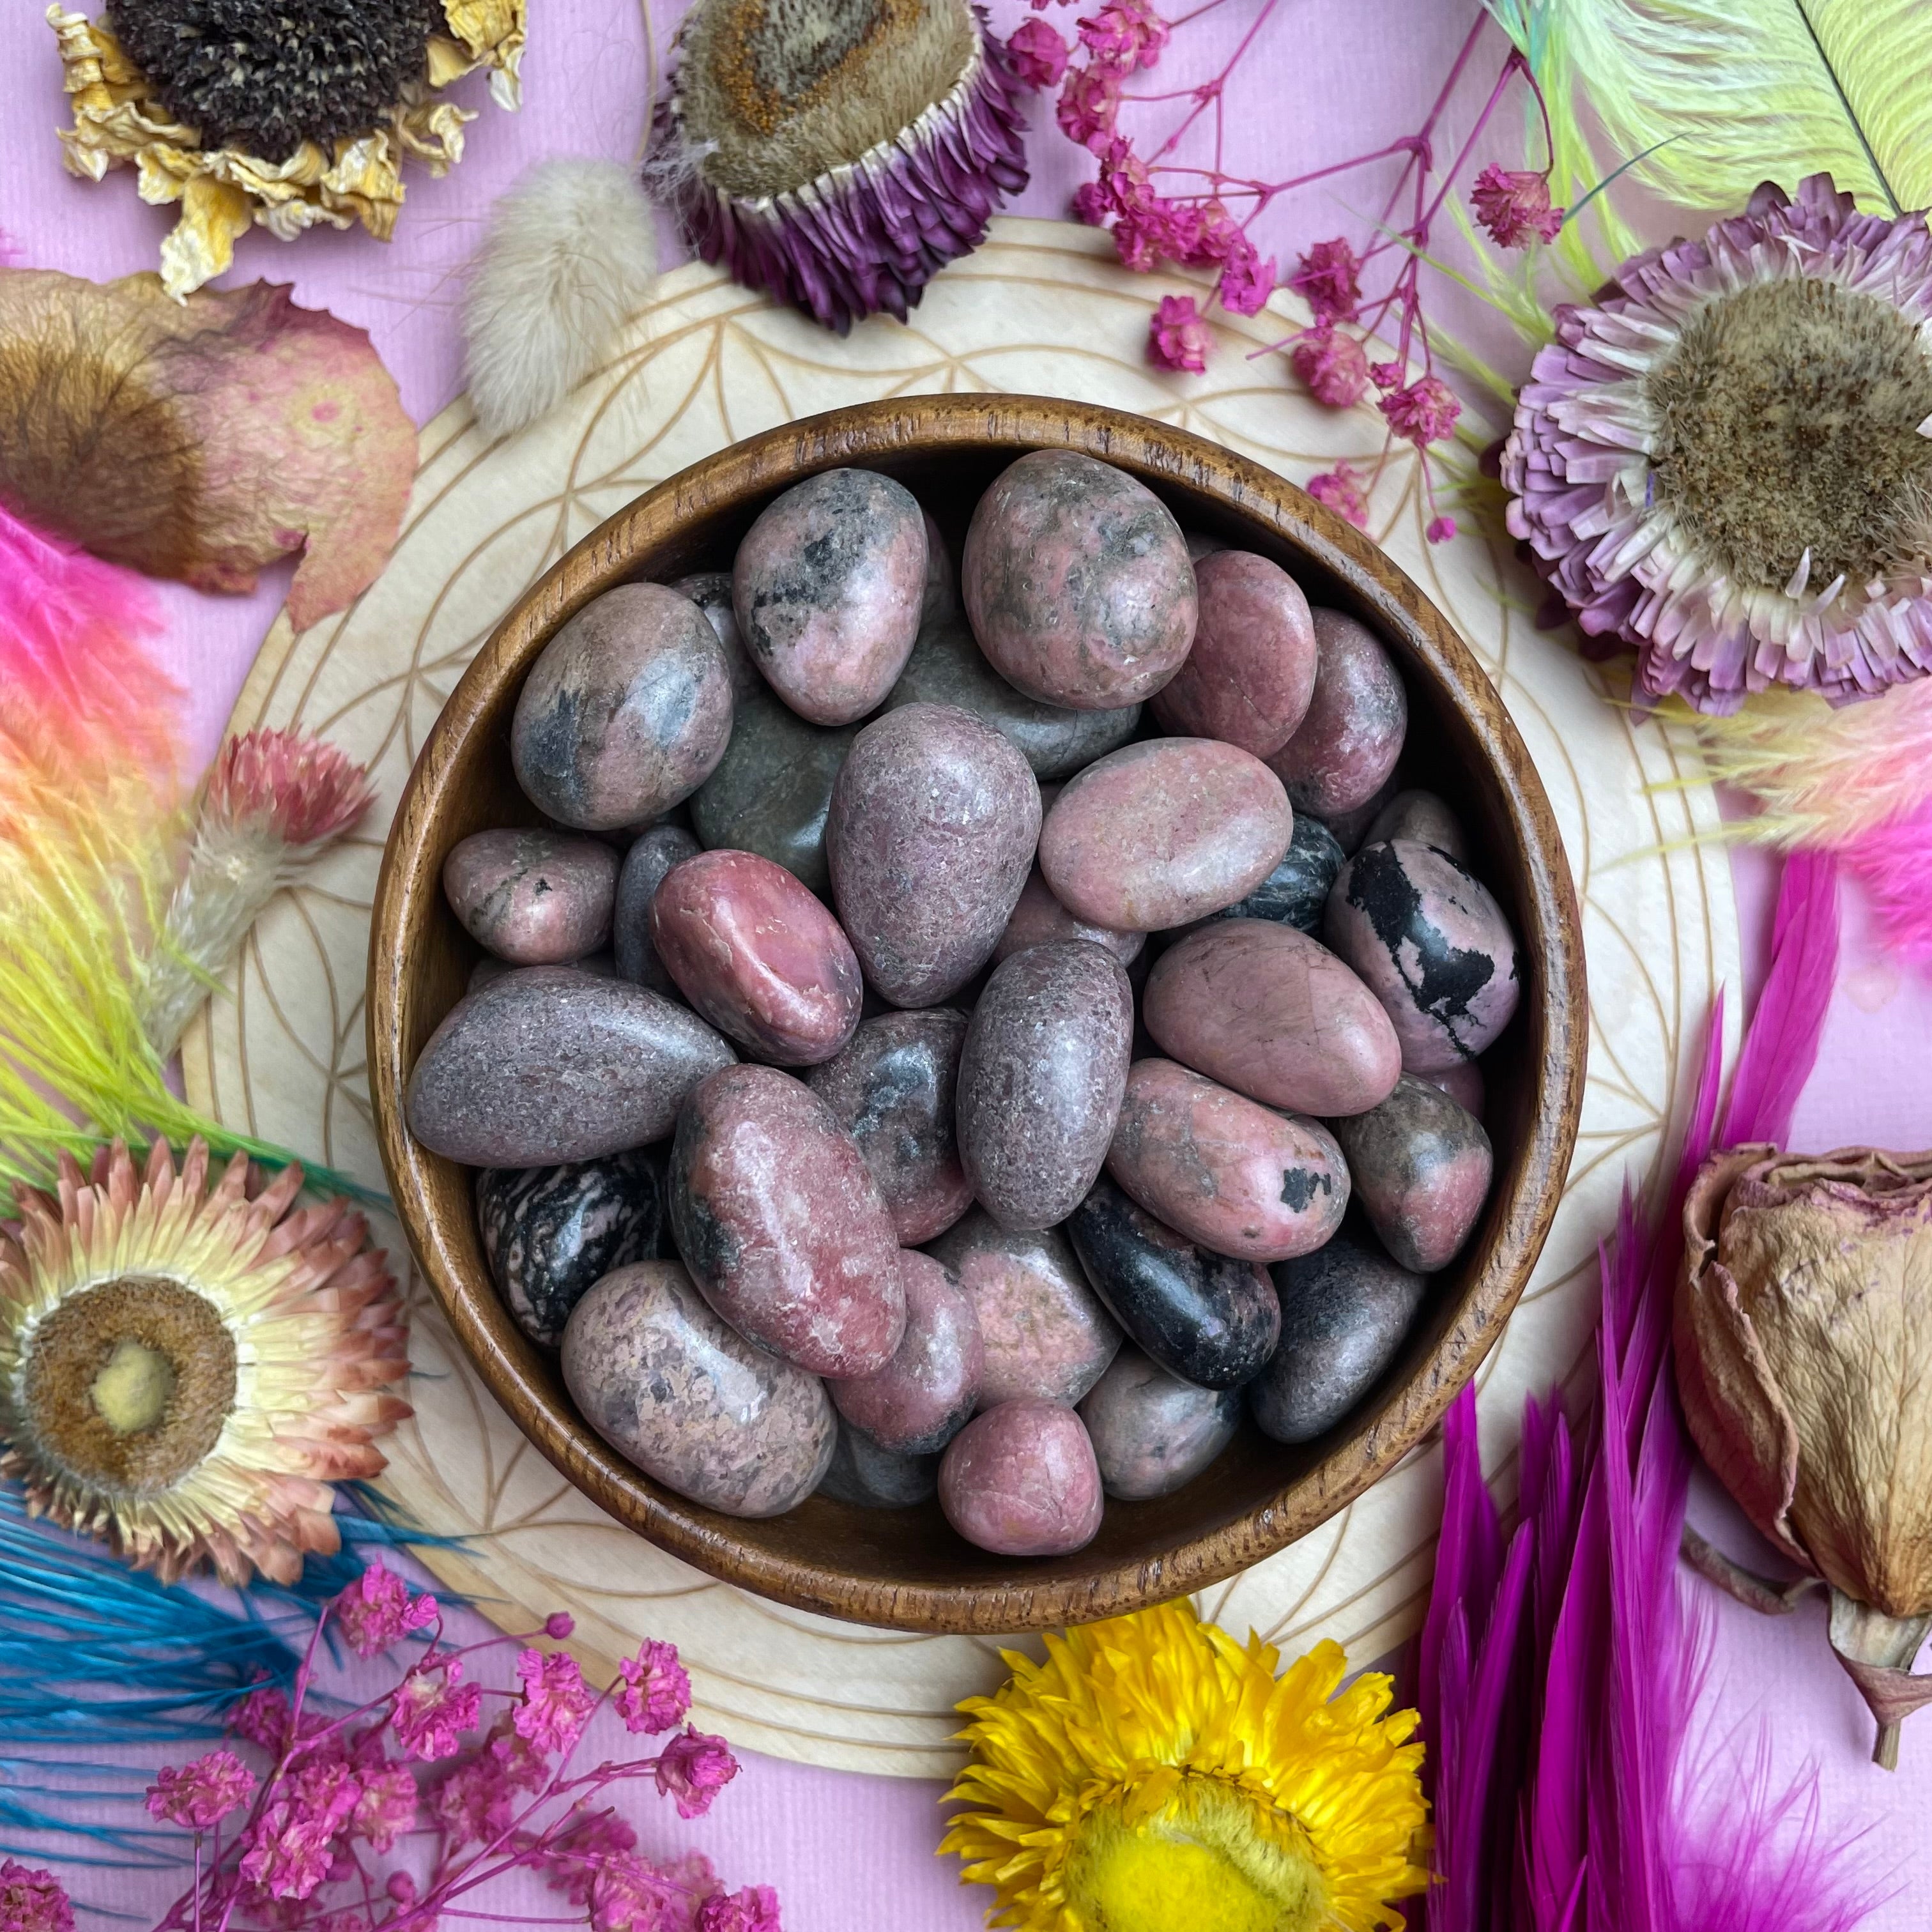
(1040, 1080)
(1421, 1165)
(533, 897)
(1237, 1177)
(1344, 1309)
(625, 713)
(922, 1398)
(549, 1233)
(1296, 893)
(1430, 942)
(934, 817)
(781, 1225)
(1274, 1014)
(690, 1402)
(1040, 920)
(710, 590)
(651, 855)
(1422, 816)
(549, 1064)
(1347, 743)
(1209, 1318)
(892, 1089)
(1077, 582)
(1163, 833)
(1153, 1433)
(1020, 1481)
(828, 586)
(861, 1472)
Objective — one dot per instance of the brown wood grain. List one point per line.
(906, 1568)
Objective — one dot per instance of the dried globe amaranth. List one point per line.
(1803, 1346)
(282, 115)
(838, 152)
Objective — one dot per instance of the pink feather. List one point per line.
(1893, 862)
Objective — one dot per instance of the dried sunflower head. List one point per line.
(282, 113)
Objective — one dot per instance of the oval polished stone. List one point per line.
(652, 853)
(1040, 920)
(1077, 582)
(861, 1472)
(771, 792)
(1422, 816)
(533, 897)
(892, 1089)
(598, 965)
(1211, 1319)
(1296, 893)
(1430, 942)
(549, 1064)
(625, 713)
(1020, 1481)
(1152, 1433)
(947, 667)
(710, 590)
(1348, 742)
(758, 956)
(1463, 1083)
(1164, 832)
(1422, 1166)
(1352, 828)
(1236, 1177)
(695, 1406)
(934, 817)
(1040, 1080)
(1344, 1309)
(549, 1233)
(1249, 676)
(1274, 1014)
(828, 585)
(923, 1397)
(782, 1227)
(1044, 1332)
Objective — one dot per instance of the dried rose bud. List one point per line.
(1804, 1341)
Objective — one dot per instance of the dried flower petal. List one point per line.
(200, 1795)
(1177, 338)
(557, 1703)
(1125, 34)
(1333, 365)
(32, 1900)
(755, 1908)
(1328, 279)
(1037, 53)
(1514, 204)
(385, 1806)
(692, 1769)
(1246, 280)
(1423, 413)
(1088, 106)
(1340, 490)
(378, 1609)
(202, 439)
(262, 1718)
(432, 1710)
(657, 1691)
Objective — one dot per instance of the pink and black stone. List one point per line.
(1296, 893)
(532, 897)
(653, 854)
(863, 1474)
(1210, 1319)
(1153, 1433)
(1422, 1166)
(1346, 745)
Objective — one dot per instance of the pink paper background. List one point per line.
(1331, 78)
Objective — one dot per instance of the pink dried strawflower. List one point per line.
(261, 1719)
(1340, 489)
(692, 1769)
(1328, 279)
(433, 1709)
(1331, 365)
(377, 1610)
(386, 1805)
(753, 1910)
(1177, 338)
(200, 1795)
(290, 786)
(32, 1900)
(657, 1689)
(556, 1703)
(1424, 412)
(1514, 204)
(1037, 53)
(1088, 106)
(1246, 280)
(1125, 34)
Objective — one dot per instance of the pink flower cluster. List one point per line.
(338, 1793)
(33, 1901)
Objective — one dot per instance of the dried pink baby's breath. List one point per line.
(557, 1703)
(1513, 204)
(1089, 104)
(1246, 280)
(1177, 338)
(1341, 490)
(200, 1795)
(1331, 365)
(657, 1691)
(379, 1609)
(692, 1769)
(433, 1708)
(32, 1900)
(1423, 413)
(1038, 53)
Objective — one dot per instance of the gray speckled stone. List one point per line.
(550, 1233)
(598, 965)
(691, 1402)
(548, 1064)
(710, 590)
(652, 853)
(1346, 745)
(947, 667)
(772, 791)
(1344, 1309)
(1153, 1433)
(875, 1478)
(625, 713)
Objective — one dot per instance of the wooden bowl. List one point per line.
(906, 1568)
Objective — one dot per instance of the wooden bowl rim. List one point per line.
(409, 889)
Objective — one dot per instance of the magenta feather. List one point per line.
(1557, 1682)
(1893, 862)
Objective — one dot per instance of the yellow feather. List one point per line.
(1742, 91)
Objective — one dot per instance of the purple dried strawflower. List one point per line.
(797, 174)
(433, 1709)
(200, 1795)
(657, 1689)
(1333, 365)
(378, 1609)
(32, 1900)
(1246, 280)
(1177, 338)
(1423, 413)
(556, 1704)
(1719, 462)
(1036, 53)
(692, 1768)
(1340, 489)
(1088, 106)
(1328, 279)
(1514, 204)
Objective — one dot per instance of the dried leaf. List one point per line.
(202, 440)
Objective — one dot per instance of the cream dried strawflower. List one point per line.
(296, 125)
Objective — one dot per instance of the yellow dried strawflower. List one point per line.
(1153, 1775)
(274, 141)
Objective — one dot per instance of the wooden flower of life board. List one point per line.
(1041, 308)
